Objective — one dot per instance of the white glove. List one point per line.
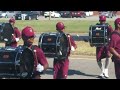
(17, 39)
(5, 39)
(72, 48)
(39, 68)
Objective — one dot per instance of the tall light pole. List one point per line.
(49, 15)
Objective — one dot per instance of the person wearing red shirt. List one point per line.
(40, 61)
(16, 36)
(103, 51)
(61, 66)
(115, 47)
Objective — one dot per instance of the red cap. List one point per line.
(102, 18)
(117, 21)
(28, 32)
(11, 20)
(60, 26)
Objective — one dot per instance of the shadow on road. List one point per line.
(49, 71)
(71, 72)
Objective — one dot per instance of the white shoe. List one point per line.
(106, 73)
(101, 75)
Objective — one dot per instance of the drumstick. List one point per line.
(69, 40)
(13, 36)
(70, 43)
(36, 57)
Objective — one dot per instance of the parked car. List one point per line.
(7, 14)
(108, 14)
(27, 15)
(18, 16)
(65, 14)
(54, 14)
(88, 13)
(78, 14)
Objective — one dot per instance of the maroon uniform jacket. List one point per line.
(39, 57)
(71, 43)
(115, 42)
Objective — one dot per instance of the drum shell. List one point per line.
(51, 44)
(98, 37)
(27, 63)
(10, 61)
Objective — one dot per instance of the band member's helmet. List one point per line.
(117, 21)
(28, 32)
(102, 18)
(60, 26)
(11, 20)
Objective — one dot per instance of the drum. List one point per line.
(98, 35)
(54, 45)
(10, 61)
(16, 62)
(6, 31)
(26, 64)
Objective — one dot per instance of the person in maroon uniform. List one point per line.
(103, 51)
(40, 63)
(60, 67)
(16, 35)
(115, 47)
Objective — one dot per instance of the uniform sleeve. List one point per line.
(17, 32)
(113, 41)
(110, 29)
(41, 57)
(73, 42)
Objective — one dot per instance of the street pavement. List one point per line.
(80, 67)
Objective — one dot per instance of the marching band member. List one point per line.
(60, 67)
(16, 36)
(115, 47)
(40, 60)
(103, 51)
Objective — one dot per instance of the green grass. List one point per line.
(72, 26)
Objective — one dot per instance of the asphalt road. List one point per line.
(81, 67)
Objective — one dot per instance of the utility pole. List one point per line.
(49, 15)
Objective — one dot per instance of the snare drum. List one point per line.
(98, 35)
(54, 45)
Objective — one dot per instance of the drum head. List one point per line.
(26, 63)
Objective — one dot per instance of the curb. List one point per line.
(83, 56)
